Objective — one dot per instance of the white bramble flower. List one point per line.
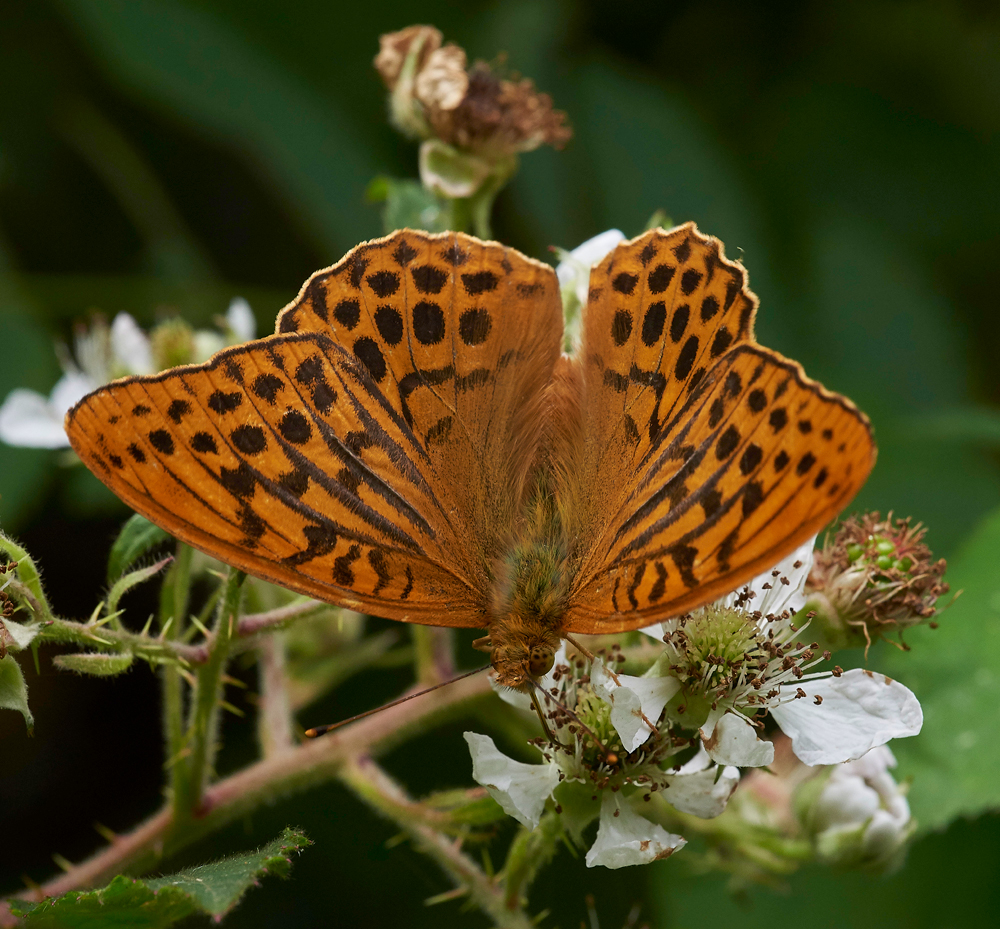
(741, 655)
(573, 272)
(101, 354)
(594, 722)
(613, 736)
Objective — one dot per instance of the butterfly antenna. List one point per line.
(567, 711)
(323, 730)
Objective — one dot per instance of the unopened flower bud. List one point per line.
(874, 577)
(857, 815)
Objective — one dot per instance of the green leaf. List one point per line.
(13, 690)
(137, 537)
(97, 664)
(953, 672)
(153, 903)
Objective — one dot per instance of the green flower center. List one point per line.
(719, 636)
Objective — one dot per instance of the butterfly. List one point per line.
(413, 444)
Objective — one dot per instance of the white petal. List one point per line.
(27, 419)
(521, 789)
(22, 635)
(634, 698)
(70, 389)
(594, 249)
(734, 741)
(845, 801)
(240, 319)
(628, 839)
(656, 631)
(130, 345)
(206, 344)
(574, 270)
(860, 710)
(702, 793)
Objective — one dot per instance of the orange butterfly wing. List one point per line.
(369, 454)
(703, 457)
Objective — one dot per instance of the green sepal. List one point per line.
(97, 664)
(410, 205)
(137, 537)
(27, 573)
(466, 810)
(213, 889)
(128, 581)
(451, 172)
(579, 808)
(14, 691)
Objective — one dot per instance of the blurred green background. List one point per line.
(161, 156)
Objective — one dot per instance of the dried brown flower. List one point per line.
(473, 109)
(394, 47)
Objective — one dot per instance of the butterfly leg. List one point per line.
(483, 644)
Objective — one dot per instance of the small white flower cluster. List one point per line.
(101, 354)
(723, 667)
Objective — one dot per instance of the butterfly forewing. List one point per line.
(713, 464)
(460, 336)
(662, 310)
(304, 459)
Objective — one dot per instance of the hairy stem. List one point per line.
(530, 851)
(274, 718)
(202, 729)
(307, 765)
(382, 793)
(174, 598)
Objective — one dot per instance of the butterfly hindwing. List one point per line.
(300, 460)
(724, 473)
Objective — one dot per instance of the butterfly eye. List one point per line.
(540, 661)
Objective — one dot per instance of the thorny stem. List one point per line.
(377, 789)
(167, 649)
(201, 736)
(530, 851)
(174, 598)
(307, 765)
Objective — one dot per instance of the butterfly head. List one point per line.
(520, 656)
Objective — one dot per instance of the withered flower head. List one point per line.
(472, 109)
(878, 576)
(394, 47)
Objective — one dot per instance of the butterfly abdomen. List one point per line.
(530, 591)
